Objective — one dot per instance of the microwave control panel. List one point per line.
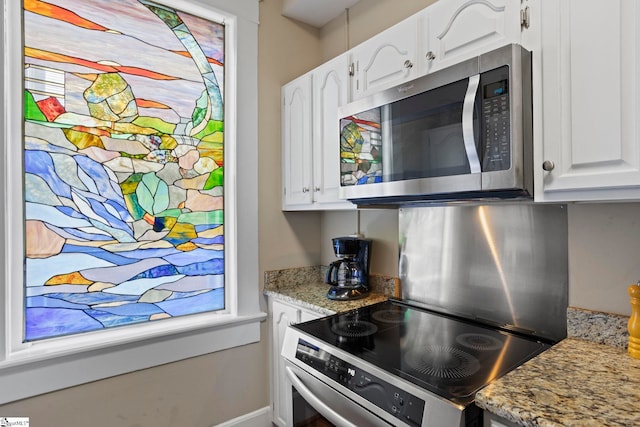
(495, 124)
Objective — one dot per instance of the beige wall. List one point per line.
(286, 50)
(197, 392)
(604, 255)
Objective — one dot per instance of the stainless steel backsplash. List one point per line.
(503, 264)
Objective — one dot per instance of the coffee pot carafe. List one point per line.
(349, 275)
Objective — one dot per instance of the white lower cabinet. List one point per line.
(282, 314)
(588, 144)
(492, 420)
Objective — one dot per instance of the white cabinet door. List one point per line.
(455, 30)
(282, 315)
(306, 315)
(491, 420)
(330, 91)
(296, 143)
(386, 59)
(590, 101)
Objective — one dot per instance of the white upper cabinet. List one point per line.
(311, 138)
(385, 60)
(589, 101)
(330, 91)
(455, 30)
(586, 95)
(296, 143)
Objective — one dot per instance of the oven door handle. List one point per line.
(317, 404)
(467, 124)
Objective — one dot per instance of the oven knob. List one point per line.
(398, 398)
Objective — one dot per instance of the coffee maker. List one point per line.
(349, 275)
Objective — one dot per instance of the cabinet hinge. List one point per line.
(352, 69)
(524, 18)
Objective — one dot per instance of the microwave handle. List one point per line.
(467, 124)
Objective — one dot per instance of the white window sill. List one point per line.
(28, 373)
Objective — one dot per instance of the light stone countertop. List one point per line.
(305, 287)
(575, 383)
(313, 296)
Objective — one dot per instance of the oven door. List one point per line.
(310, 402)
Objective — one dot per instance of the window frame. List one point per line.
(42, 366)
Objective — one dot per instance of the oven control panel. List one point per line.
(388, 397)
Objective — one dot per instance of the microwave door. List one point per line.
(418, 145)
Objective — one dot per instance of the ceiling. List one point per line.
(315, 12)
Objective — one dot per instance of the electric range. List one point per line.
(406, 364)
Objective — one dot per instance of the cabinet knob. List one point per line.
(305, 190)
(316, 189)
(408, 64)
(430, 56)
(548, 165)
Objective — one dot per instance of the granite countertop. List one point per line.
(575, 383)
(304, 286)
(313, 296)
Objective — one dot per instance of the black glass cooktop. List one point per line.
(451, 357)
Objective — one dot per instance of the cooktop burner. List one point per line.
(443, 362)
(479, 342)
(451, 357)
(354, 328)
(389, 316)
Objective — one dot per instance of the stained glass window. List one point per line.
(123, 165)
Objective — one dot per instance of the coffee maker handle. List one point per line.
(330, 278)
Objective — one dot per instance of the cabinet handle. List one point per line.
(430, 56)
(548, 165)
(525, 18)
(408, 64)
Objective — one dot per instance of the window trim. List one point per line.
(40, 367)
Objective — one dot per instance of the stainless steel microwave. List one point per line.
(464, 132)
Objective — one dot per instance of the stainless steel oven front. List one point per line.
(312, 403)
(326, 386)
